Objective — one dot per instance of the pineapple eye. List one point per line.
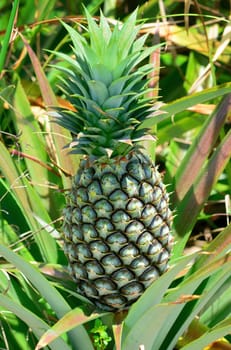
(77, 235)
(104, 286)
(94, 269)
(157, 194)
(162, 262)
(67, 231)
(148, 214)
(162, 208)
(67, 213)
(116, 240)
(103, 208)
(98, 249)
(109, 182)
(81, 196)
(154, 250)
(83, 252)
(150, 275)
(146, 192)
(139, 264)
(134, 207)
(94, 191)
(135, 169)
(132, 289)
(133, 230)
(163, 234)
(88, 289)
(145, 239)
(104, 227)
(79, 271)
(114, 300)
(121, 218)
(130, 186)
(88, 214)
(118, 199)
(156, 223)
(86, 177)
(76, 216)
(89, 232)
(123, 276)
(111, 261)
(128, 253)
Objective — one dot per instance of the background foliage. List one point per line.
(191, 84)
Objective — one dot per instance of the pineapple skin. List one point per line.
(117, 229)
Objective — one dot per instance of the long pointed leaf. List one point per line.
(190, 311)
(72, 319)
(167, 312)
(183, 103)
(58, 133)
(217, 332)
(31, 141)
(200, 149)
(154, 293)
(193, 201)
(220, 244)
(30, 204)
(54, 298)
(37, 325)
(6, 40)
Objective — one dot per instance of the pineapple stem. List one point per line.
(118, 327)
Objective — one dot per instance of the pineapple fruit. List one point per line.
(117, 220)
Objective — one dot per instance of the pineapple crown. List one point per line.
(107, 86)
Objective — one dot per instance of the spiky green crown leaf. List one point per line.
(107, 85)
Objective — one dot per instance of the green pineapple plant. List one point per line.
(117, 222)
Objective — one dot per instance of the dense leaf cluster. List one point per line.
(106, 87)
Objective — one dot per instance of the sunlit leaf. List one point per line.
(74, 318)
(6, 40)
(53, 297)
(193, 201)
(50, 101)
(37, 325)
(181, 104)
(217, 332)
(200, 149)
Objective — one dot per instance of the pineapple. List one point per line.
(117, 220)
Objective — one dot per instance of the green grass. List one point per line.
(191, 302)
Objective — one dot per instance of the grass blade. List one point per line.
(217, 332)
(168, 311)
(32, 143)
(29, 203)
(149, 333)
(154, 294)
(183, 103)
(204, 295)
(59, 134)
(219, 245)
(193, 201)
(8, 33)
(37, 325)
(79, 336)
(200, 149)
(74, 318)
